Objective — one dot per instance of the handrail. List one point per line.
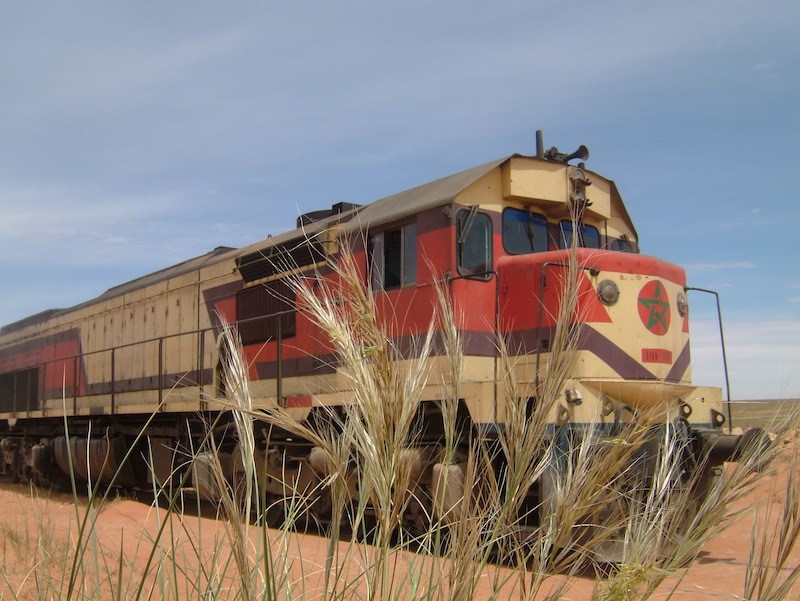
(724, 354)
(200, 333)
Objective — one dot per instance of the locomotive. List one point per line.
(141, 361)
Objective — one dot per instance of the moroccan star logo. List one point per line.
(654, 307)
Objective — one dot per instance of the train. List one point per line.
(142, 361)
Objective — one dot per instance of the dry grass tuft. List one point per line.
(627, 494)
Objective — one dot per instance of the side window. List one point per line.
(474, 242)
(622, 244)
(589, 235)
(394, 257)
(19, 390)
(524, 232)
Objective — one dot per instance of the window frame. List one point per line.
(487, 230)
(403, 267)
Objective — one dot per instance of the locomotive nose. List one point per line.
(631, 310)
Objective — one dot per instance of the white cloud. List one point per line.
(62, 223)
(763, 357)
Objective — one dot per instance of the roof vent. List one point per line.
(314, 216)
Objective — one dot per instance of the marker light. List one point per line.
(683, 306)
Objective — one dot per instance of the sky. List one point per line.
(136, 135)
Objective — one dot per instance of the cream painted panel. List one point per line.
(599, 195)
(534, 179)
(151, 332)
(548, 184)
(486, 192)
(188, 323)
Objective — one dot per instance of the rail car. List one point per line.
(78, 385)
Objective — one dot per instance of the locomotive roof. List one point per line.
(427, 196)
(438, 193)
(385, 210)
(146, 280)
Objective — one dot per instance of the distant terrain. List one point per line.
(751, 414)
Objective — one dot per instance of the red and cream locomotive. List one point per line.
(78, 385)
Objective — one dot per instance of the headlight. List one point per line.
(608, 292)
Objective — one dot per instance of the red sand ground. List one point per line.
(34, 523)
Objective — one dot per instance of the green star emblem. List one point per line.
(657, 309)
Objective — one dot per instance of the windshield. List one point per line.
(524, 232)
(588, 236)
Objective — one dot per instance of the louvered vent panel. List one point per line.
(280, 258)
(258, 311)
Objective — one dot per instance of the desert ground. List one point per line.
(39, 530)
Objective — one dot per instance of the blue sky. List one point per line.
(135, 135)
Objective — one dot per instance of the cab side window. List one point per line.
(622, 244)
(474, 242)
